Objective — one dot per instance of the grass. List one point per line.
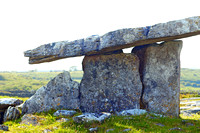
(146, 123)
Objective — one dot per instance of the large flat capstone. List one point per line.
(111, 83)
(115, 40)
(160, 75)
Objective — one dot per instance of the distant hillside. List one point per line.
(190, 78)
(20, 82)
(26, 83)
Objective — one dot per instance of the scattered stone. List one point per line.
(176, 128)
(60, 93)
(132, 112)
(126, 130)
(191, 111)
(111, 83)
(6, 102)
(109, 130)
(46, 131)
(160, 75)
(93, 129)
(12, 113)
(63, 120)
(87, 117)
(183, 108)
(159, 124)
(128, 118)
(3, 127)
(190, 124)
(115, 40)
(64, 113)
(28, 119)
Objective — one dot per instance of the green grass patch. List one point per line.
(146, 123)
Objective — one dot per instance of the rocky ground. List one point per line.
(189, 106)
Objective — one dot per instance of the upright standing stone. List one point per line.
(110, 83)
(160, 75)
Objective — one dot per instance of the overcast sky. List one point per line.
(27, 24)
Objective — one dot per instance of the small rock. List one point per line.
(176, 128)
(64, 113)
(55, 128)
(159, 124)
(6, 102)
(12, 113)
(132, 112)
(190, 124)
(31, 119)
(3, 127)
(128, 118)
(126, 130)
(46, 131)
(87, 117)
(109, 130)
(93, 129)
(63, 120)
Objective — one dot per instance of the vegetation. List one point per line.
(190, 81)
(13, 82)
(136, 124)
(16, 83)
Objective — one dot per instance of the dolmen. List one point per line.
(147, 78)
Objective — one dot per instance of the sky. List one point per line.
(27, 24)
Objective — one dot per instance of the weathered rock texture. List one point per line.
(160, 75)
(5, 103)
(110, 83)
(115, 40)
(60, 93)
(12, 113)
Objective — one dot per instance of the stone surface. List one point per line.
(28, 119)
(60, 93)
(191, 111)
(88, 117)
(3, 127)
(110, 83)
(64, 113)
(93, 129)
(132, 112)
(63, 120)
(6, 102)
(109, 130)
(160, 75)
(115, 40)
(12, 113)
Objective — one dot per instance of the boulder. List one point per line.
(88, 117)
(60, 93)
(160, 75)
(34, 120)
(115, 40)
(110, 83)
(12, 113)
(3, 127)
(64, 113)
(6, 102)
(132, 112)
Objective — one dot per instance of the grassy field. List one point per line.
(146, 123)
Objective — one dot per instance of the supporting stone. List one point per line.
(60, 93)
(160, 75)
(110, 83)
